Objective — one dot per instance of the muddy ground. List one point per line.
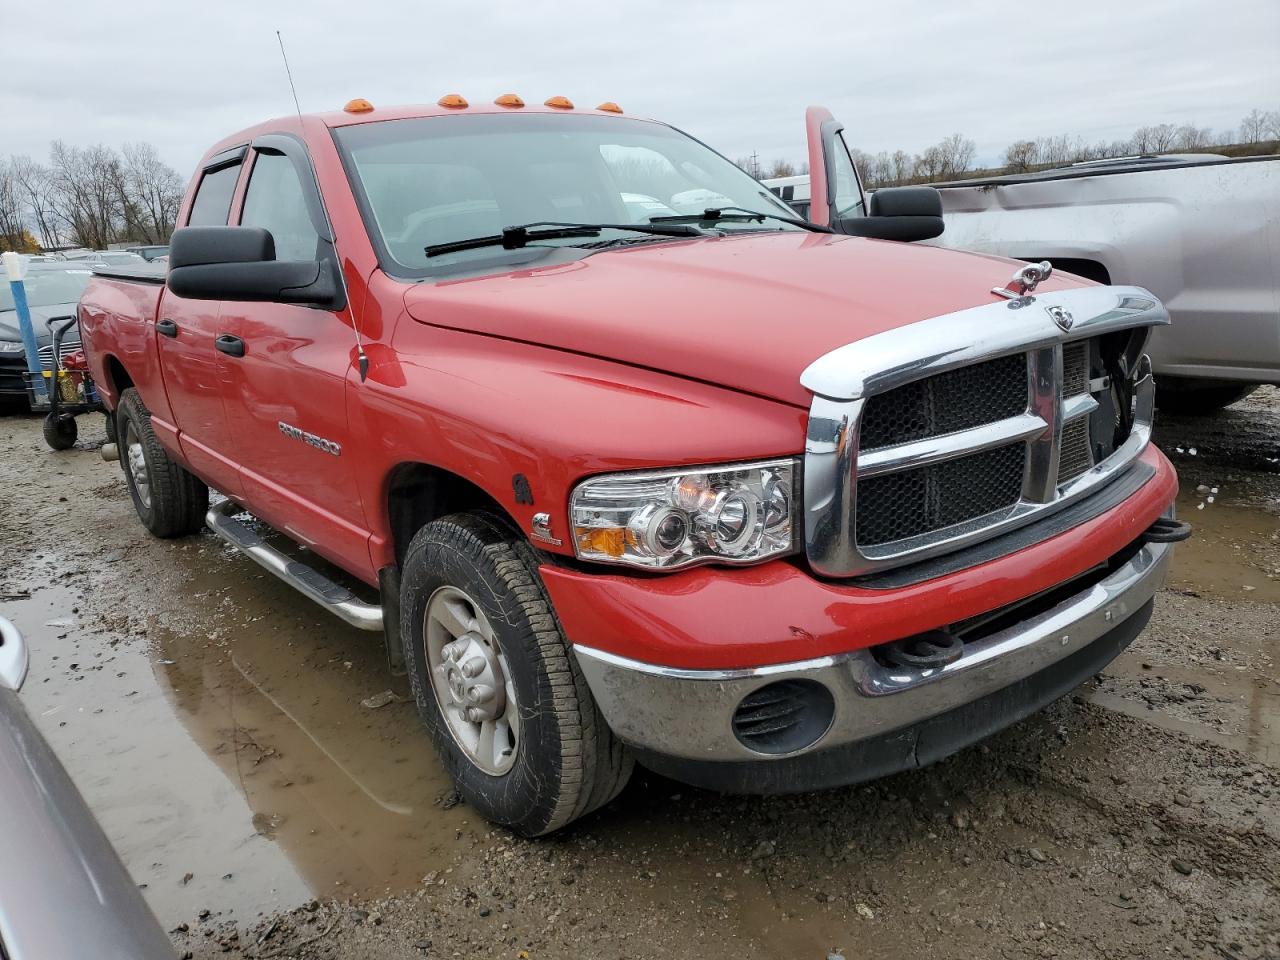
(214, 721)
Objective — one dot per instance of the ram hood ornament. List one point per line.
(1024, 280)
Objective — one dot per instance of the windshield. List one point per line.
(45, 288)
(437, 180)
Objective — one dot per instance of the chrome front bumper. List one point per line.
(688, 714)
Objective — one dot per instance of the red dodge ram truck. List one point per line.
(640, 465)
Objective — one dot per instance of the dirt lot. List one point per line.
(214, 721)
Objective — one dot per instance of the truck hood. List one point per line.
(744, 312)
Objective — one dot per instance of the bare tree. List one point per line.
(1253, 128)
(930, 164)
(1271, 124)
(39, 195)
(1191, 137)
(151, 193)
(957, 154)
(781, 168)
(1020, 156)
(903, 166)
(12, 227)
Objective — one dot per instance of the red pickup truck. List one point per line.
(640, 465)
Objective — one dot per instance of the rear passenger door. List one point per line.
(195, 372)
(287, 405)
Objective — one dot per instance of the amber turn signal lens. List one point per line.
(358, 105)
(454, 101)
(611, 541)
(609, 107)
(559, 103)
(509, 100)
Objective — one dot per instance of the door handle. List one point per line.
(231, 346)
(167, 327)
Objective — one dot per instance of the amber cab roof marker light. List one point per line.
(454, 101)
(558, 103)
(358, 105)
(609, 107)
(509, 100)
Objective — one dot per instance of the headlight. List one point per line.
(11, 346)
(673, 518)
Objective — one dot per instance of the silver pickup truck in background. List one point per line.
(1201, 232)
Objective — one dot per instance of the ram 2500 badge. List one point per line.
(640, 466)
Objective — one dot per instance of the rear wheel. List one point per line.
(496, 683)
(171, 501)
(1198, 397)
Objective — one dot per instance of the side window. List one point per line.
(213, 197)
(848, 192)
(274, 201)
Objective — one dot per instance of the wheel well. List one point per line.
(120, 379)
(1089, 269)
(419, 493)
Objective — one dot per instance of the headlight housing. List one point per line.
(665, 519)
(11, 346)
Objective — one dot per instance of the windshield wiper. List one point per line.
(513, 238)
(738, 215)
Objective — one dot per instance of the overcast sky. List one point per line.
(738, 75)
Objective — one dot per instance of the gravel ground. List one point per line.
(215, 724)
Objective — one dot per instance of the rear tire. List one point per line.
(59, 432)
(564, 761)
(1198, 398)
(171, 501)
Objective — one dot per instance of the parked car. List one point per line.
(149, 253)
(64, 894)
(762, 504)
(52, 291)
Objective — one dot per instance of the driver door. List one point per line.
(835, 191)
(837, 199)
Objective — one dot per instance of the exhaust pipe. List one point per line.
(110, 452)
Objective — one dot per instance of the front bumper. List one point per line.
(680, 721)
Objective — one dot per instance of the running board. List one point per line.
(308, 581)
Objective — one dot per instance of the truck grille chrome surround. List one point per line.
(991, 431)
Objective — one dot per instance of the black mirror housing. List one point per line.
(239, 263)
(899, 213)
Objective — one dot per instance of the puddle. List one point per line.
(1234, 552)
(236, 750)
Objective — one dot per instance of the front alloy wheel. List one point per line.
(471, 679)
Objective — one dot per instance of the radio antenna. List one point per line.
(289, 73)
(363, 359)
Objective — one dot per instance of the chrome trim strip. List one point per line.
(843, 378)
(308, 581)
(1080, 405)
(649, 706)
(921, 453)
(890, 359)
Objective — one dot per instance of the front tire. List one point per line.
(171, 501)
(1198, 398)
(496, 683)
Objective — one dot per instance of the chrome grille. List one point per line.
(897, 506)
(66, 348)
(951, 401)
(931, 437)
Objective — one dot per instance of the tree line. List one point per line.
(952, 158)
(88, 197)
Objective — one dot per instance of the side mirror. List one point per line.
(899, 213)
(239, 263)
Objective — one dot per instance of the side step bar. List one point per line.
(337, 599)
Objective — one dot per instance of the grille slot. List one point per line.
(1076, 454)
(896, 506)
(951, 401)
(1075, 368)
